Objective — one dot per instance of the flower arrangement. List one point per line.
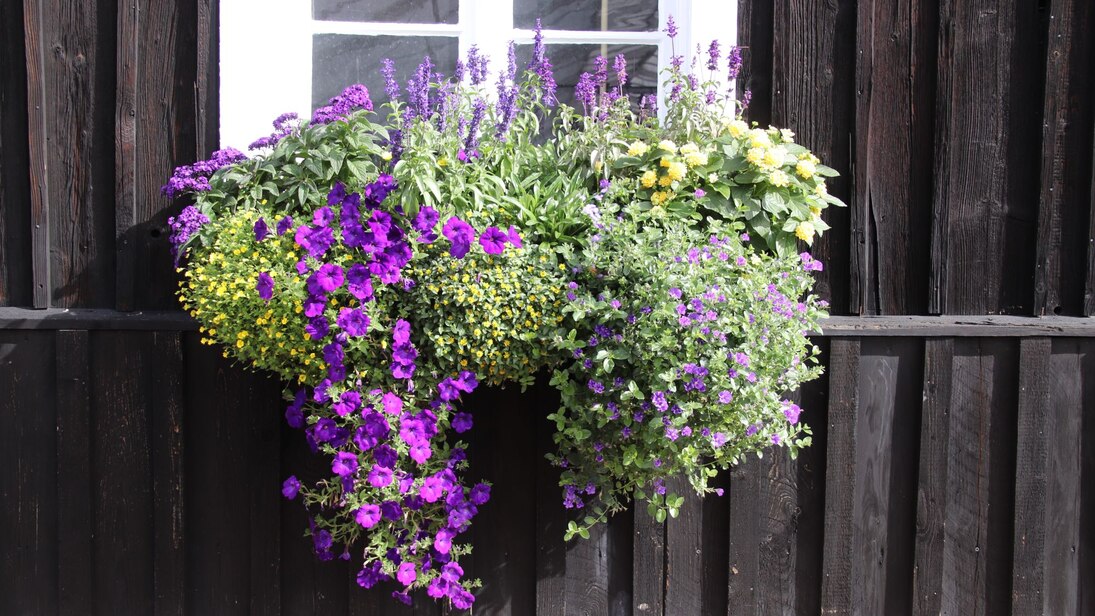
(385, 262)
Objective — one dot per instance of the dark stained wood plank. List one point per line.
(1089, 286)
(978, 529)
(207, 76)
(840, 452)
(167, 379)
(15, 227)
(38, 103)
(264, 436)
(1064, 454)
(28, 475)
(70, 74)
(74, 496)
(755, 30)
(932, 493)
(1064, 200)
(1087, 471)
(587, 571)
(744, 537)
(1030, 476)
(551, 559)
(894, 120)
(218, 470)
(958, 326)
(123, 509)
(890, 376)
(715, 546)
(648, 563)
(809, 560)
(776, 590)
(95, 319)
(684, 552)
(816, 99)
(621, 549)
(984, 218)
(130, 17)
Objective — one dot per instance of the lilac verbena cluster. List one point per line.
(353, 98)
(393, 471)
(195, 177)
(183, 227)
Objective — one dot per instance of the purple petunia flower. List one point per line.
(284, 225)
(329, 277)
(406, 574)
(514, 237)
(461, 422)
(493, 241)
(344, 464)
(265, 286)
(353, 321)
(367, 515)
(290, 487)
(480, 494)
(425, 220)
(380, 476)
(460, 234)
(260, 229)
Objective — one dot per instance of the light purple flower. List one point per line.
(290, 487)
(493, 241)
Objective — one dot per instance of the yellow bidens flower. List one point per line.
(805, 169)
(637, 149)
(786, 135)
(815, 210)
(805, 232)
(821, 189)
(668, 146)
(676, 171)
(648, 178)
(665, 181)
(386, 156)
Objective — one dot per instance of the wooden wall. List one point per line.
(952, 467)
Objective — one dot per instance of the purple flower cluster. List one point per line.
(195, 177)
(183, 226)
(284, 125)
(353, 98)
(541, 66)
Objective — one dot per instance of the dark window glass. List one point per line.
(570, 61)
(339, 60)
(623, 15)
(392, 11)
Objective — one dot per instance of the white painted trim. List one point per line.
(363, 28)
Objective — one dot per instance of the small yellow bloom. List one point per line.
(786, 135)
(821, 189)
(386, 156)
(738, 128)
(696, 159)
(648, 178)
(676, 171)
(637, 148)
(779, 178)
(805, 169)
(598, 165)
(689, 148)
(668, 146)
(755, 155)
(659, 197)
(441, 162)
(774, 157)
(815, 210)
(805, 232)
(759, 138)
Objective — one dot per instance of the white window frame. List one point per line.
(266, 48)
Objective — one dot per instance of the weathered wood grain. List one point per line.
(1066, 125)
(123, 507)
(894, 117)
(28, 475)
(813, 64)
(755, 35)
(977, 563)
(70, 77)
(166, 410)
(15, 227)
(837, 583)
(648, 564)
(74, 489)
(744, 537)
(684, 552)
(932, 495)
(984, 217)
(551, 559)
(810, 516)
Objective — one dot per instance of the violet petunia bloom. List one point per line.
(392, 404)
(460, 234)
(406, 574)
(353, 321)
(359, 282)
(493, 241)
(426, 219)
(290, 487)
(401, 333)
(367, 515)
(461, 422)
(380, 476)
(284, 225)
(344, 464)
(260, 229)
(514, 237)
(480, 494)
(265, 286)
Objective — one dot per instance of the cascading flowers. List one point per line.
(385, 262)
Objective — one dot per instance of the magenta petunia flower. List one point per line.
(460, 234)
(406, 574)
(493, 241)
(380, 476)
(514, 237)
(344, 464)
(290, 487)
(367, 515)
(329, 277)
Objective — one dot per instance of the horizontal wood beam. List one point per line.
(988, 326)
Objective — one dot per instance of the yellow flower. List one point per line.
(677, 171)
(386, 156)
(441, 162)
(759, 138)
(774, 157)
(738, 128)
(786, 135)
(821, 189)
(637, 149)
(660, 197)
(755, 155)
(597, 166)
(779, 178)
(815, 210)
(696, 159)
(805, 168)
(805, 232)
(667, 145)
(648, 178)
(665, 181)
(689, 148)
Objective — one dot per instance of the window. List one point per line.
(293, 55)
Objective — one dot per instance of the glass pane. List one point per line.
(339, 60)
(570, 61)
(392, 11)
(623, 15)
